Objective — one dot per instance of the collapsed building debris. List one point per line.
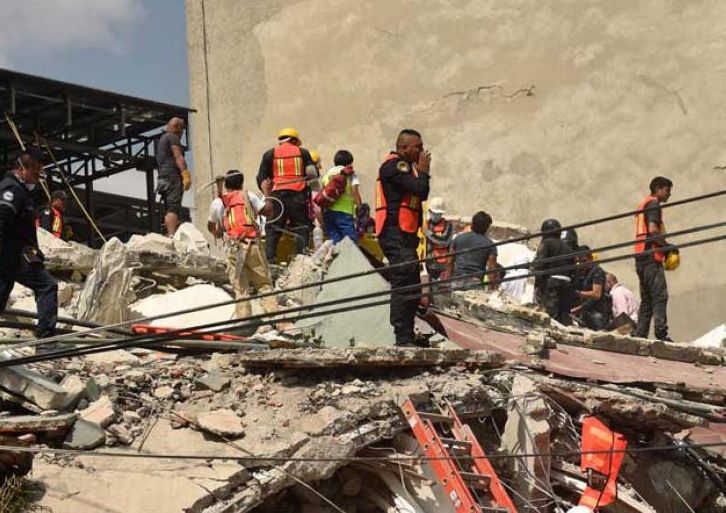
(316, 424)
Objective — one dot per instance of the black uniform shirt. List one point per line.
(17, 222)
(397, 179)
(596, 276)
(552, 247)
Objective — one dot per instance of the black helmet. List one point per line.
(550, 225)
(570, 237)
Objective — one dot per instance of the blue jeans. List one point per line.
(37, 278)
(339, 225)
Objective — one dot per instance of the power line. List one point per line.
(375, 271)
(352, 459)
(143, 340)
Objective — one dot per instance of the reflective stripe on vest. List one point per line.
(408, 211)
(56, 225)
(439, 252)
(288, 169)
(596, 436)
(236, 220)
(642, 232)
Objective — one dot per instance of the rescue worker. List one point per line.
(595, 303)
(653, 287)
(439, 234)
(401, 186)
(290, 167)
(233, 217)
(20, 258)
(174, 174)
(51, 217)
(553, 290)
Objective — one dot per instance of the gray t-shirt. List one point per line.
(164, 155)
(475, 260)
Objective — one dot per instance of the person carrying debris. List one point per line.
(552, 290)
(290, 167)
(594, 310)
(438, 234)
(650, 267)
(476, 256)
(174, 174)
(401, 186)
(51, 217)
(20, 257)
(233, 216)
(340, 188)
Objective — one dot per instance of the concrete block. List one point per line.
(34, 387)
(222, 422)
(100, 412)
(84, 436)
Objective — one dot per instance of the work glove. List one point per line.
(186, 179)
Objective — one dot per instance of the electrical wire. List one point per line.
(213, 327)
(352, 459)
(373, 271)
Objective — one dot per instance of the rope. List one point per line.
(16, 133)
(70, 188)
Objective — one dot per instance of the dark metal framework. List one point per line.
(93, 133)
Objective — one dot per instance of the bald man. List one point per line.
(174, 176)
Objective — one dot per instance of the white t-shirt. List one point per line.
(216, 209)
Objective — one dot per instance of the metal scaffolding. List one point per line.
(94, 134)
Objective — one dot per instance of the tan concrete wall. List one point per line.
(531, 109)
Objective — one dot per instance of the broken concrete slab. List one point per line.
(84, 435)
(369, 357)
(154, 243)
(100, 412)
(214, 381)
(714, 338)
(34, 387)
(224, 422)
(197, 295)
(108, 361)
(528, 431)
(364, 327)
(36, 423)
(107, 292)
(75, 387)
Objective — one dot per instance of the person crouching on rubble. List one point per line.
(594, 311)
(439, 234)
(475, 257)
(233, 216)
(552, 290)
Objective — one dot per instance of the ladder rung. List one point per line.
(479, 481)
(436, 417)
(454, 443)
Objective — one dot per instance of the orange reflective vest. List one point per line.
(288, 169)
(409, 210)
(642, 233)
(603, 452)
(237, 222)
(56, 227)
(438, 244)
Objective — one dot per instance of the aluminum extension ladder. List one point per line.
(463, 480)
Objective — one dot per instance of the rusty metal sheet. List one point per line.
(582, 362)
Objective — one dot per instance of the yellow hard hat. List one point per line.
(288, 133)
(315, 156)
(672, 261)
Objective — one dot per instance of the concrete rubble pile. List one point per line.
(317, 425)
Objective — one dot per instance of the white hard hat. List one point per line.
(437, 206)
(579, 509)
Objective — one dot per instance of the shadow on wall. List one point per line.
(691, 314)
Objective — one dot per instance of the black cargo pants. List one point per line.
(401, 247)
(653, 299)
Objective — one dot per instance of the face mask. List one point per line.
(435, 218)
(30, 186)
